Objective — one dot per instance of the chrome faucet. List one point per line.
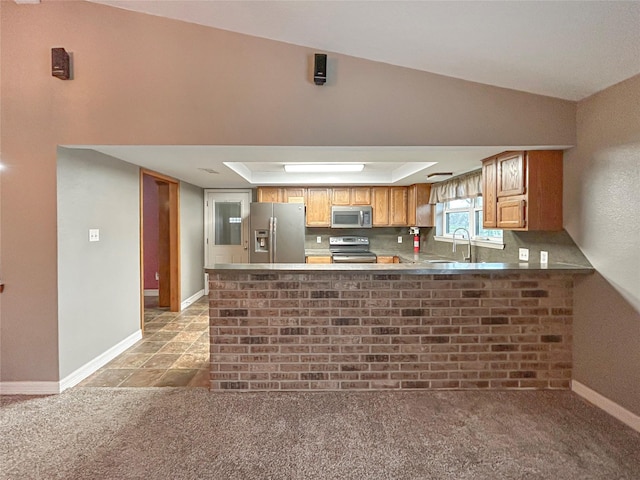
(468, 257)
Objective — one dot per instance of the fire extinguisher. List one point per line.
(416, 239)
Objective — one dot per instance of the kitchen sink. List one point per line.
(441, 261)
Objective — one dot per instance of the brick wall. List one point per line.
(332, 331)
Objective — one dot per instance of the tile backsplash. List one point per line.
(559, 245)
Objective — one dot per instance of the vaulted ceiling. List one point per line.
(562, 49)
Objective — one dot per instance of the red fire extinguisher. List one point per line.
(416, 243)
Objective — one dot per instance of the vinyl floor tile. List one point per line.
(176, 378)
(174, 351)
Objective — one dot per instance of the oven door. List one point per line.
(354, 258)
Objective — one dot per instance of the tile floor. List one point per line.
(173, 352)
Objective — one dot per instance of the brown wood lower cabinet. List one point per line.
(318, 259)
(388, 259)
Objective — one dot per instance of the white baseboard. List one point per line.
(100, 361)
(29, 388)
(609, 406)
(193, 298)
(52, 388)
(150, 292)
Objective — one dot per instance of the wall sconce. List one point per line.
(60, 64)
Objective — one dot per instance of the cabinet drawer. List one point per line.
(316, 259)
(388, 259)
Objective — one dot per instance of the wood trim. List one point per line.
(173, 270)
(158, 176)
(141, 216)
(174, 245)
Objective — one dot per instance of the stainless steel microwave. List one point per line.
(351, 217)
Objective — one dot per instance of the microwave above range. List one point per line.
(352, 217)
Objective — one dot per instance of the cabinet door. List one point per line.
(398, 206)
(511, 213)
(360, 196)
(318, 207)
(341, 196)
(511, 174)
(270, 194)
(380, 205)
(412, 204)
(294, 195)
(419, 212)
(489, 199)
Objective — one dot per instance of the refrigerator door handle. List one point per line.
(274, 236)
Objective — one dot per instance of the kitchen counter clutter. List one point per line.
(391, 326)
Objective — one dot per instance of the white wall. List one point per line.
(98, 282)
(191, 240)
(601, 200)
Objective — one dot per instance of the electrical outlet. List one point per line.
(544, 257)
(523, 254)
(399, 239)
(94, 235)
(318, 239)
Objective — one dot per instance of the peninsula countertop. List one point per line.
(419, 267)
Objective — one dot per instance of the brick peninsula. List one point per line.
(407, 326)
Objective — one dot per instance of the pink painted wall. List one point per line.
(150, 240)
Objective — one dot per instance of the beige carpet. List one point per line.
(168, 433)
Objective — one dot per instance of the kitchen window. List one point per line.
(465, 213)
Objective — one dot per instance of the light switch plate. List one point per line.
(544, 257)
(399, 239)
(318, 239)
(523, 254)
(94, 235)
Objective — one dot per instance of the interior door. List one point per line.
(227, 226)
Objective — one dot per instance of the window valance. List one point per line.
(468, 185)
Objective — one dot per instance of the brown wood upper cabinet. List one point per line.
(380, 206)
(396, 206)
(270, 194)
(523, 190)
(294, 195)
(318, 207)
(419, 212)
(360, 195)
(341, 196)
(398, 200)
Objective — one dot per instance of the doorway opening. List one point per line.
(159, 243)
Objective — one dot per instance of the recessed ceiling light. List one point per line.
(323, 167)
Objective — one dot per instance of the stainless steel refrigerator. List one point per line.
(277, 233)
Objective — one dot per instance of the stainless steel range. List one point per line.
(351, 249)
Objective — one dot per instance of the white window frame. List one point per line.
(442, 236)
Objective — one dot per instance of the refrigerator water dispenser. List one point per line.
(262, 240)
